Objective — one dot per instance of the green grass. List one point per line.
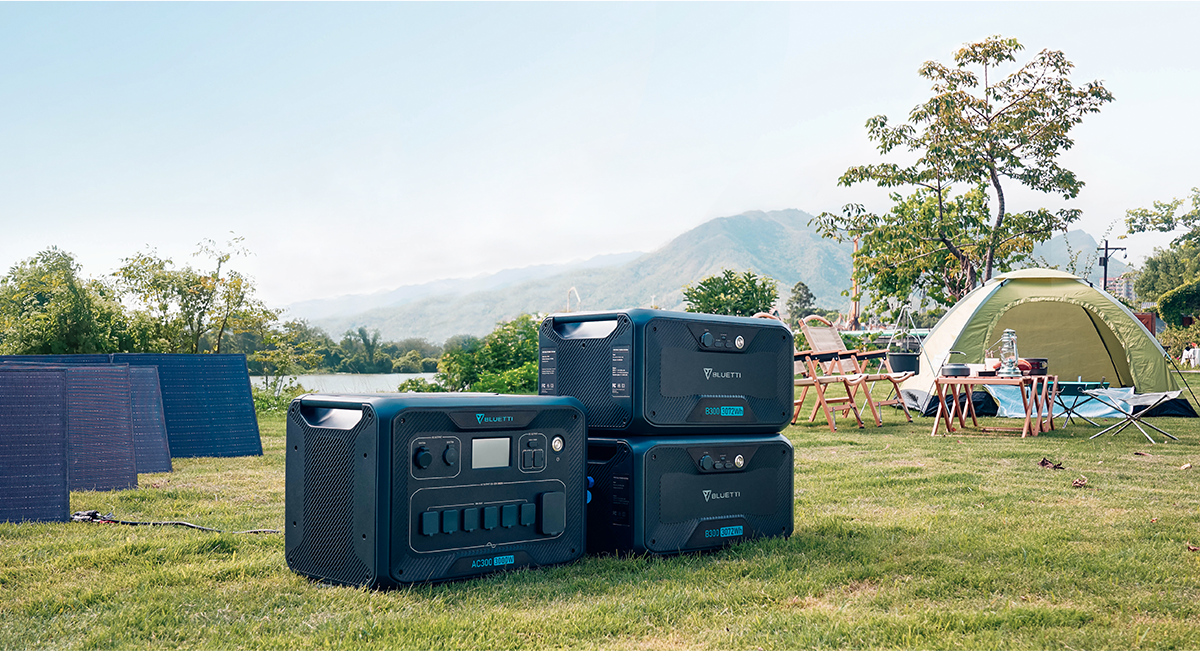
(901, 540)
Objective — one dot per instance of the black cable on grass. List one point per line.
(94, 516)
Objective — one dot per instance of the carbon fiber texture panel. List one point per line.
(587, 364)
(326, 546)
(33, 445)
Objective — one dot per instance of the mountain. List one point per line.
(1075, 252)
(340, 306)
(779, 244)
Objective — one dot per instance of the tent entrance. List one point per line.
(1076, 342)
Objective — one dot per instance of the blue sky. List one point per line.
(360, 147)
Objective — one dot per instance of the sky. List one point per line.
(358, 147)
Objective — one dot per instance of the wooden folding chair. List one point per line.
(821, 335)
(814, 378)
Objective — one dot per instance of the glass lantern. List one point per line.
(1008, 355)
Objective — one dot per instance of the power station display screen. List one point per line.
(490, 453)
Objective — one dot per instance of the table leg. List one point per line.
(1025, 401)
(1048, 399)
(971, 406)
(943, 412)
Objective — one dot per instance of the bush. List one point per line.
(268, 401)
(522, 379)
(420, 385)
(1173, 338)
(1182, 301)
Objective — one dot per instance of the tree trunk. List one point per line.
(991, 248)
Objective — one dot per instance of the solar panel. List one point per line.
(151, 452)
(206, 399)
(207, 403)
(100, 450)
(33, 445)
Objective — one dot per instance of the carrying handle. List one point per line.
(330, 414)
(584, 326)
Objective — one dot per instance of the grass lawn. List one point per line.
(902, 540)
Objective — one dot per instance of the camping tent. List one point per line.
(1083, 332)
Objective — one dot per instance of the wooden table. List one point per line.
(1037, 395)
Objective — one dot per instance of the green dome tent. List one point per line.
(1083, 332)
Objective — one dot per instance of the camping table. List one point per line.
(1147, 401)
(1036, 392)
(1076, 390)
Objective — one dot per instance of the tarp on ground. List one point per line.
(1083, 331)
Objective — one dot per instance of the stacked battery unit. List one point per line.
(683, 418)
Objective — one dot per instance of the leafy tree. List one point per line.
(46, 308)
(1180, 302)
(1167, 269)
(731, 293)
(285, 352)
(925, 246)
(801, 303)
(978, 131)
(181, 306)
(500, 361)
(1163, 218)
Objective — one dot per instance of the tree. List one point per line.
(1165, 270)
(1179, 302)
(800, 303)
(1163, 218)
(731, 293)
(505, 361)
(979, 132)
(285, 352)
(182, 306)
(46, 308)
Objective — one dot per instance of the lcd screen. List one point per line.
(490, 453)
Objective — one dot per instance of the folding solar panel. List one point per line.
(207, 403)
(151, 452)
(206, 399)
(33, 445)
(100, 450)
(100, 428)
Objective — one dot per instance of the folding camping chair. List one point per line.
(1148, 401)
(821, 335)
(813, 378)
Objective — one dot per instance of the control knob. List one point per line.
(706, 340)
(706, 462)
(423, 458)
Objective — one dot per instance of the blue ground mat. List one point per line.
(206, 399)
(33, 445)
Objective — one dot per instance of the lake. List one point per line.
(351, 382)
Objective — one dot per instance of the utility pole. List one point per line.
(1104, 261)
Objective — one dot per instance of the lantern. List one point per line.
(1008, 355)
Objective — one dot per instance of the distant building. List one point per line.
(1122, 286)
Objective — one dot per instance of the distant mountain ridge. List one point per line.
(340, 306)
(779, 244)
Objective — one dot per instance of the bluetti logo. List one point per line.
(721, 375)
(727, 495)
(483, 418)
